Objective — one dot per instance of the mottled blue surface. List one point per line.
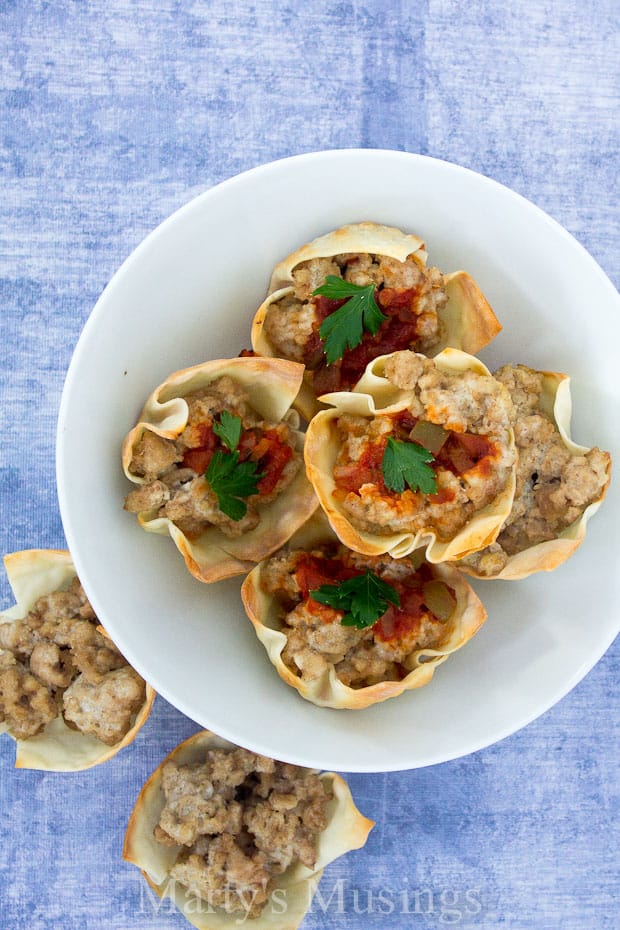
(114, 113)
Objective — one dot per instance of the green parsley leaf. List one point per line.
(408, 463)
(344, 328)
(231, 481)
(228, 429)
(363, 598)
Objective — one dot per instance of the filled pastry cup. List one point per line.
(345, 668)
(560, 484)
(37, 577)
(425, 309)
(167, 455)
(288, 894)
(406, 396)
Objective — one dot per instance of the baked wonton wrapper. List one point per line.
(328, 690)
(346, 830)
(466, 321)
(32, 574)
(555, 402)
(273, 385)
(373, 395)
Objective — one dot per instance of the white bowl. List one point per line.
(187, 294)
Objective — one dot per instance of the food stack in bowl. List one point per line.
(357, 466)
(359, 463)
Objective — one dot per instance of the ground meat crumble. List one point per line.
(242, 820)
(472, 407)
(554, 486)
(173, 471)
(316, 639)
(408, 293)
(55, 661)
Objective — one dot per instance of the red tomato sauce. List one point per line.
(199, 457)
(265, 447)
(313, 571)
(397, 623)
(460, 453)
(398, 331)
(269, 451)
(463, 451)
(367, 470)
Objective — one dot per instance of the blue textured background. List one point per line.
(112, 114)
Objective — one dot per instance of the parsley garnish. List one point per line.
(408, 463)
(228, 429)
(363, 598)
(230, 479)
(344, 328)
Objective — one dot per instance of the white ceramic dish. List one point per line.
(187, 294)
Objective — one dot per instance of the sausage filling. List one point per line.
(55, 661)
(241, 820)
(554, 487)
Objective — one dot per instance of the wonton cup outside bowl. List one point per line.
(467, 321)
(346, 830)
(188, 293)
(327, 690)
(547, 556)
(33, 573)
(374, 394)
(273, 385)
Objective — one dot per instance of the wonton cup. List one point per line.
(373, 395)
(467, 321)
(273, 385)
(347, 829)
(548, 555)
(327, 690)
(33, 573)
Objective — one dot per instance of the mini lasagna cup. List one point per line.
(336, 665)
(230, 835)
(182, 433)
(67, 696)
(560, 484)
(452, 407)
(425, 310)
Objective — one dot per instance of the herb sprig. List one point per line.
(363, 598)
(408, 463)
(230, 479)
(228, 429)
(344, 328)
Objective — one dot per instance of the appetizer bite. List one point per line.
(67, 695)
(218, 462)
(560, 484)
(420, 454)
(348, 630)
(230, 835)
(360, 292)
